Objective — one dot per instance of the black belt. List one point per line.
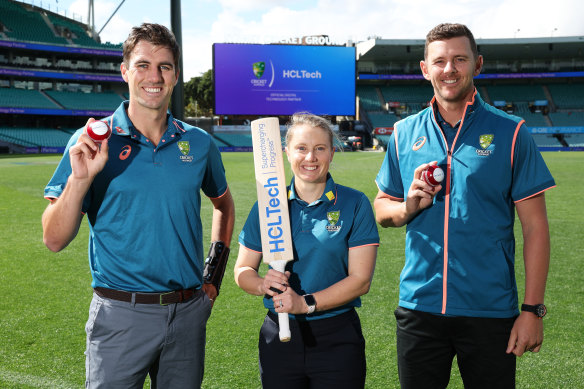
(177, 296)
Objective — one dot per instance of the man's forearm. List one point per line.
(62, 218)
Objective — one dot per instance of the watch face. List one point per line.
(309, 300)
(540, 310)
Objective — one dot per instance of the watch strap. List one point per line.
(538, 310)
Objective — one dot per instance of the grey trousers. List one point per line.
(126, 342)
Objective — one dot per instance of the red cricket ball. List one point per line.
(433, 175)
(99, 131)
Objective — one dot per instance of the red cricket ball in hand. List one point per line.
(433, 175)
(99, 131)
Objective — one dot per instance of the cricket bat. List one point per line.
(272, 201)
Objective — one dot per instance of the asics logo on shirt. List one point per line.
(419, 143)
(125, 153)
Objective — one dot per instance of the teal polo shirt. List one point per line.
(323, 232)
(144, 207)
(460, 252)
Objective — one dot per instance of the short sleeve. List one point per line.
(250, 235)
(388, 179)
(214, 183)
(530, 173)
(364, 231)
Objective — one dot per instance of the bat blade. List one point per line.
(272, 201)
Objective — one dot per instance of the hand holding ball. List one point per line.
(98, 131)
(433, 175)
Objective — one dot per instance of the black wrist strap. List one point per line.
(215, 264)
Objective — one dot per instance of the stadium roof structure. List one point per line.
(523, 49)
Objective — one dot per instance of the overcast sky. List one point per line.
(205, 22)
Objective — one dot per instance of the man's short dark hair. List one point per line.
(155, 34)
(446, 31)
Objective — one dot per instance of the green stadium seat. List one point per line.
(107, 101)
(516, 93)
(25, 98)
(567, 96)
(235, 139)
(46, 137)
(369, 98)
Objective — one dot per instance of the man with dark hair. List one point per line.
(458, 294)
(141, 192)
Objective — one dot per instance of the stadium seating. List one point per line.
(384, 119)
(35, 137)
(516, 93)
(416, 94)
(26, 26)
(567, 119)
(78, 34)
(23, 24)
(567, 96)
(25, 98)
(574, 140)
(107, 101)
(532, 119)
(546, 140)
(235, 139)
(369, 98)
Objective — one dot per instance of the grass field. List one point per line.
(44, 297)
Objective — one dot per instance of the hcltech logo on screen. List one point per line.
(301, 74)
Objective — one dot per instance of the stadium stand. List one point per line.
(37, 137)
(235, 139)
(574, 140)
(416, 94)
(53, 75)
(23, 25)
(546, 140)
(382, 119)
(567, 96)
(567, 119)
(106, 101)
(369, 98)
(44, 90)
(516, 93)
(23, 98)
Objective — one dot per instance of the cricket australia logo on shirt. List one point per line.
(333, 219)
(485, 141)
(185, 148)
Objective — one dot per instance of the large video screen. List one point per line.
(253, 79)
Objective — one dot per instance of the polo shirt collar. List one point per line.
(471, 107)
(329, 194)
(121, 124)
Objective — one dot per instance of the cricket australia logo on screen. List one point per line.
(485, 141)
(333, 218)
(259, 71)
(185, 148)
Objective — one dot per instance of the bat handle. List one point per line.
(284, 324)
(283, 321)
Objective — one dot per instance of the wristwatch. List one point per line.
(310, 302)
(538, 310)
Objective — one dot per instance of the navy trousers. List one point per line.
(427, 344)
(324, 353)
